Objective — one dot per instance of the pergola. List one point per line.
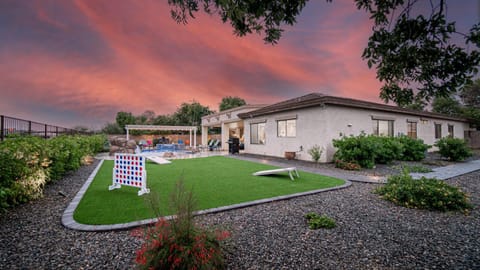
(166, 128)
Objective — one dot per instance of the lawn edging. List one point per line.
(70, 223)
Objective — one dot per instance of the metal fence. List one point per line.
(11, 125)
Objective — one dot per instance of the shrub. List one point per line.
(367, 150)
(413, 149)
(360, 149)
(425, 193)
(28, 163)
(23, 163)
(179, 243)
(389, 149)
(316, 221)
(454, 149)
(315, 152)
(349, 166)
(414, 168)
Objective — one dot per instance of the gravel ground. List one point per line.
(370, 234)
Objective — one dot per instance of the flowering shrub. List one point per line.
(425, 193)
(179, 243)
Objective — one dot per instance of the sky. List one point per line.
(77, 63)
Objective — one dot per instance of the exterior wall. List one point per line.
(311, 128)
(320, 125)
(226, 120)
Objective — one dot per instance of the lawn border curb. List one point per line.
(70, 223)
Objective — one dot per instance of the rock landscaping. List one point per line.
(370, 233)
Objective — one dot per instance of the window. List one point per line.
(287, 128)
(257, 133)
(412, 129)
(438, 131)
(383, 127)
(450, 131)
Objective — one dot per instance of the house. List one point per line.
(297, 124)
(229, 123)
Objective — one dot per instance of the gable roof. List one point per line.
(318, 99)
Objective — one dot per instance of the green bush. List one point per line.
(454, 149)
(413, 149)
(368, 150)
(316, 221)
(315, 152)
(425, 193)
(28, 163)
(360, 149)
(389, 149)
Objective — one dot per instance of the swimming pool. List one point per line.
(166, 148)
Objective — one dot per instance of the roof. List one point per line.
(318, 99)
(247, 106)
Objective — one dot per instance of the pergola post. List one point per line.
(195, 138)
(190, 137)
(127, 133)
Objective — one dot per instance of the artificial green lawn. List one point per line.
(216, 181)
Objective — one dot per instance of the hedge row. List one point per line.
(28, 163)
(368, 150)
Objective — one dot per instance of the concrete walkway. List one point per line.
(446, 172)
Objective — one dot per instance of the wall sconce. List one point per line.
(349, 125)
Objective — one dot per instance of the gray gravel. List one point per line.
(370, 234)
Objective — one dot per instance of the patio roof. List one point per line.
(165, 128)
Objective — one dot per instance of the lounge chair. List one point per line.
(215, 145)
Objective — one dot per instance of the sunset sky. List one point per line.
(72, 63)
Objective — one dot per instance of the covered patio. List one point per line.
(230, 124)
(190, 129)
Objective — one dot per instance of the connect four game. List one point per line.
(129, 170)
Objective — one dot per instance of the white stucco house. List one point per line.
(229, 123)
(297, 124)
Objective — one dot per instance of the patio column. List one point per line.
(225, 134)
(195, 138)
(204, 135)
(127, 134)
(190, 137)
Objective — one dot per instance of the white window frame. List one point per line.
(287, 128)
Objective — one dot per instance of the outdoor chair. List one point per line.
(215, 145)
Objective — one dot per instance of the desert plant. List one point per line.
(179, 243)
(454, 149)
(425, 193)
(315, 152)
(316, 221)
